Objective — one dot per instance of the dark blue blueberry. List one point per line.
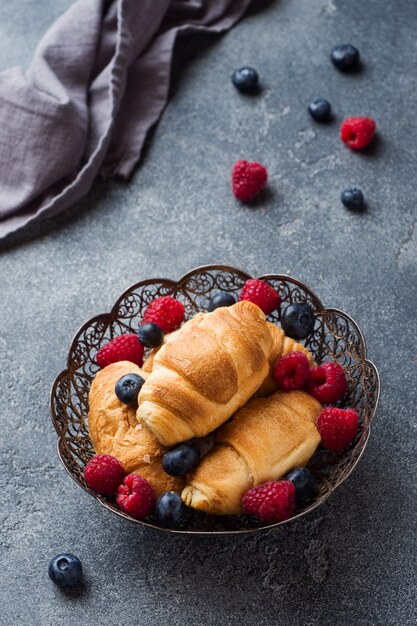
(182, 459)
(246, 80)
(65, 570)
(353, 199)
(221, 299)
(297, 320)
(345, 57)
(303, 481)
(127, 388)
(169, 509)
(320, 110)
(204, 444)
(151, 335)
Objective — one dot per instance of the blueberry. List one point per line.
(320, 110)
(127, 388)
(246, 79)
(303, 481)
(169, 509)
(204, 444)
(353, 199)
(182, 459)
(151, 335)
(65, 570)
(297, 321)
(345, 57)
(221, 299)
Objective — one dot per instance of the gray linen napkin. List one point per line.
(98, 81)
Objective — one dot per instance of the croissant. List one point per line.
(204, 373)
(265, 439)
(114, 430)
(281, 346)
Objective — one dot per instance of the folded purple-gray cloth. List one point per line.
(98, 81)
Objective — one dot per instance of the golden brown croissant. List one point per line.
(282, 345)
(114, 430)
(203, 374)
(265, 439)
(148, 362)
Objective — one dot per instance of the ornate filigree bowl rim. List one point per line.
(176, 287)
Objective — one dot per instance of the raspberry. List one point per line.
(123, 348)
(291, 371)
(357, 132)
(273, 501)
(136, 496)
(262, 294)
(167, 312)
(337, 427)
(248, 179)
(104, 474)
(326, 382)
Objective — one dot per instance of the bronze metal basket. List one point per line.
(336, 336)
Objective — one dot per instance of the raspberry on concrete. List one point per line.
(248, 179)
(357, 132)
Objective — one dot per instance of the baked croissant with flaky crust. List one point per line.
(204, 373)
(281, 346)
(114, 430)
(265, 439)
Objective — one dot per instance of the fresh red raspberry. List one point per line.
(327, 382)
(104, 473)
(291, 371)
(273, 501)
(262, 294)
(123, 348)
(248, 179)
(136, 496)
(357, 132)
(167, 312)
(337, 427)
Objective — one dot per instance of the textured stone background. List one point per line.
(351, 562)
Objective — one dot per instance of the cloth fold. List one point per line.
(98, 81)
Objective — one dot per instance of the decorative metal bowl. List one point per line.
(336, 336)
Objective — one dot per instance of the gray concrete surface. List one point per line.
(352, 562)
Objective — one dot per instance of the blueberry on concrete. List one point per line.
(320, 110)
(345, 57)
(65, 570)
(246, 80)
(353, 199)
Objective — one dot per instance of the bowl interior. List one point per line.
(336, 337)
